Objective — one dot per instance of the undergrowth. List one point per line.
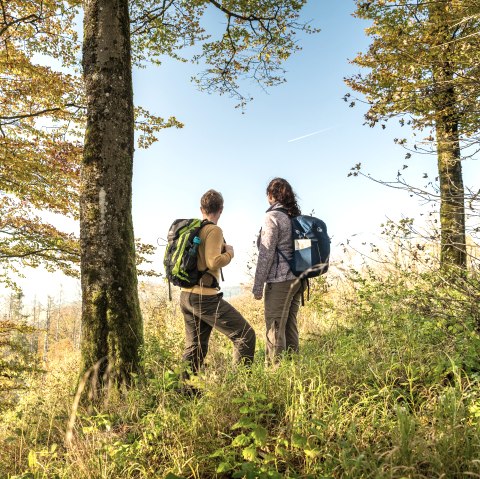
(386, 386)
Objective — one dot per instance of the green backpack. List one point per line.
(180, 260)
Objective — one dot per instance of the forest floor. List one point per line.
(386, 386)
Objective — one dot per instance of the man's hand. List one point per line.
(258, 296)
(228, 249)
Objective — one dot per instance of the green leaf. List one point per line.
(224, 467)
(241, 440)
(259, 434)
(244, 422)
(250, 453)
(217, 453)
(246, 409)
(266, 458)
(299, 441)
(32, 459)
(312, 453)
(171, 475)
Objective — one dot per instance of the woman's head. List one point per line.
(281, 191)
(211, 202)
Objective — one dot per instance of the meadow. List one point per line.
(386, 386)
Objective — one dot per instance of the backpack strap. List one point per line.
(204, 222)
(283, 256)
(215, 283)
(283, 210)
(306, 282)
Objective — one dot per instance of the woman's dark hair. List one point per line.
(282, 192)
(211, 202)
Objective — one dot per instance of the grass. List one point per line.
(386, 386)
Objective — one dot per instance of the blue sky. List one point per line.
(238, 154)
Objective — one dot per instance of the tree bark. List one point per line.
(453, 250)
(112, 329)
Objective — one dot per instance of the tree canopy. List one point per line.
(39, 146)
(423, 68)
(414, 45)
(253, 43)
(42, 116)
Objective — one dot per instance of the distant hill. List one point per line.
(232, 291)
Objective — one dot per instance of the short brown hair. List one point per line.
(211, 202)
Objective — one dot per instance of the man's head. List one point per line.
(211, 204)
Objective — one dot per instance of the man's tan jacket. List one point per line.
(211, 256)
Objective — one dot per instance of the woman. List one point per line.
(283, 291)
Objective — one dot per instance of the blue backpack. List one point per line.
(311, 246)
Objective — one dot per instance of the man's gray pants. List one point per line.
(202, 313)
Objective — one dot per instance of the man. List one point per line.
(202, 306)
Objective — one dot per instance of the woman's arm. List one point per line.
(266, 253)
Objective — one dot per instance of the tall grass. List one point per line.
(386, 386)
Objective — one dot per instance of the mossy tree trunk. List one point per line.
(452, 196)
(112, 330)
(453, 250)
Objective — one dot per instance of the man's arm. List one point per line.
(217, 253)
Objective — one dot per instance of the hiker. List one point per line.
(202, 305)
(283, 290)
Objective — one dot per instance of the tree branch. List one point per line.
(29, 18)
(39, 252)
(41, 112)
(250, 18)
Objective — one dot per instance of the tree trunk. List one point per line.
(112, 330)
(452, 209)
(453, 250)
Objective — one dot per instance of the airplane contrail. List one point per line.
(310, 134)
